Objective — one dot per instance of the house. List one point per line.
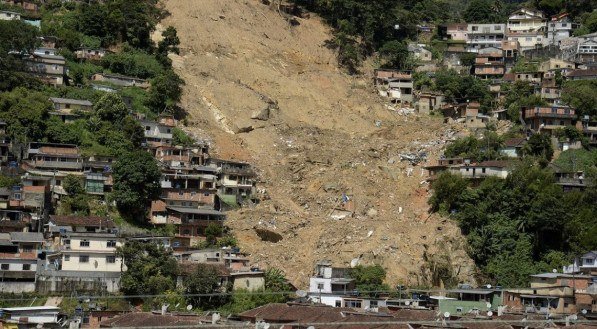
(589, 129)
(549, 88)
(511, 51)
(513, 147)
(395, 84)
(489, 63)
(482, 170)
(68, 110)
(550, 293)
(481, 36)
(32, 196)
(548, 118)
(457, 32)
(586, 50)
(235, 179)
(328, 284)
(58, 224)
(419, 52)
(530, 77)
(151, 319)
(442, 165)
(588, 74)
(429, 101)
(554, 64)
(527, 27)
(19, 261)
(48, 41)
(470, 301)
(6, 15)
(97, 171)
(285, 315)
(588, 262)
(192, 222)
(560, 27)
(54, 161)
(157, 134)
(121, 80)
(30, 317)
(182, 157)
(51, 69)
(84, 261)
(91, 53)
(28, 6)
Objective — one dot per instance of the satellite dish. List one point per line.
(554, 270)
(488, 305)
(488, 286)
(583, 311)
(407, 302)
(573, 317)
(446, 315)
(489, 313)
(189, 307)
(301, 293)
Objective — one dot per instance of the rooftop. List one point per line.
(150, 319)
(71, 101)
(93, 221)
(26, 237)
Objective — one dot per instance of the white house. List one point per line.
(328, 285)
(528, 27)
(9, 15)
(41, 315)
(94, 252)
(481, 36)
(484, 169)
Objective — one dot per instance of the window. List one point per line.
(459, 310)
(248, 283)
(110, 259)
(83, 259)
(27, 248)
(67, 258)
(147, 128)
(111, 243)
(26, 267)
(353, 303)
(528, 39)
(338, 303)
(373, 303)
(4, 267)
(84, 243)
(475, 28)
(483, 170)
(320, 286)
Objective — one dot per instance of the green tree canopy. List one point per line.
(150, 269)
(136, 183)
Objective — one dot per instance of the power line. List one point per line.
(356, 293)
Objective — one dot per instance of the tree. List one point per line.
(73, 185)
(150, 268)
(212, 232)
(136, 183)
(76, 201)
(169, 42)
(165, 91)
(395, 53)
(26, 114)
(133, 131)
(446, 190)
(369, 279)
(111, 108)
(205, 279)
(179, 137)
(16, 38)
(539, 145)
(581, 96)
(276, 281)
(480, 11)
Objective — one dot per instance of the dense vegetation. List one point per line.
(525, 223)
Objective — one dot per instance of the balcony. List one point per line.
(550, 113)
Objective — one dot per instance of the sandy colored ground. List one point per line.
(239, 57)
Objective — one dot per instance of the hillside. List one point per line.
(316, 138)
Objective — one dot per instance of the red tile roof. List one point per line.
(92, 221)
(146, 319)
(514, 142)
(582, 73)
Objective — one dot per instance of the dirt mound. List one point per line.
(326, 147)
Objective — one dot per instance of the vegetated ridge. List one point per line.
(269, 92)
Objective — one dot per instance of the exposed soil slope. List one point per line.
(316, 138)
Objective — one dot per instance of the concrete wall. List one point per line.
(17, 287)
(64, 281)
